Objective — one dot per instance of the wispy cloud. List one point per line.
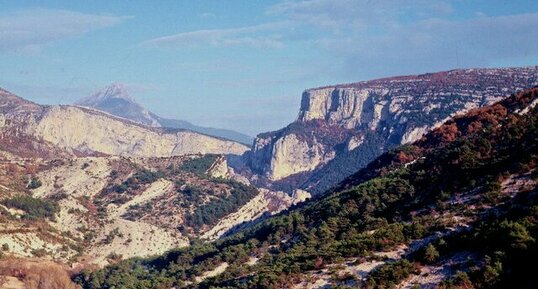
(259, 36)
(436, 44)
(296, 20)
(366, 38)
(357, 14)
(378, 38)
(30, 29)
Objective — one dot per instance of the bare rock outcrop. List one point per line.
(373, 116)
(291, 155)
(219, 169)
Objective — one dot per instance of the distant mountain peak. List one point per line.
(112, 91)
(116, 99)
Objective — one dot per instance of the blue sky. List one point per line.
(244, 64)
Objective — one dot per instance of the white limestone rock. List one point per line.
(354, 142)
(219, 169)
(74, 128)
(290, 154)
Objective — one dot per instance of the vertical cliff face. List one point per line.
(375, 116)
(299, 147)
(305, 156)
(345, 107)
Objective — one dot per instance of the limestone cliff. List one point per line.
(290, 154)
(77, 129)
(302, 146)
(373, 116)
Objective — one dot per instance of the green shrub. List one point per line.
(133, 183)
(34, 183)
(34, 208)
(389, 275)
(430, 254)
(39, 253)
(199, 165)
(212, 212)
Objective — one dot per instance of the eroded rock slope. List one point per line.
(341, 128)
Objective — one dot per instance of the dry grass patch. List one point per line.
(36, 274)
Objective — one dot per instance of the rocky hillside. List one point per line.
(99, 210)
(77, 130)
(83, 187)
(342, 128)
(116, 100)
(457, 209)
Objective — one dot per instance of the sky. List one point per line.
(243, 65)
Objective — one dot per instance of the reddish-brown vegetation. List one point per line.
(37, 274)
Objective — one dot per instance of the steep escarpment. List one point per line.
(375, 116)
(457, 209)
(80, 130)
(301, 146)
(15, 114)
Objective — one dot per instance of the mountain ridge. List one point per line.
(117, 100)
(84, 130)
